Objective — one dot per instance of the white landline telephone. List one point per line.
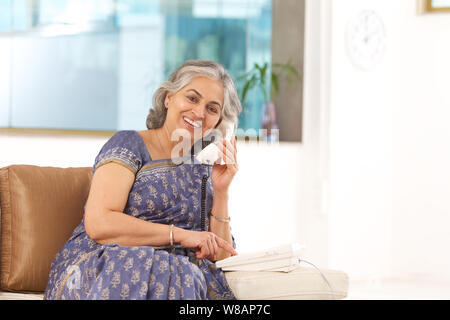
(281, 258)
(211, 153)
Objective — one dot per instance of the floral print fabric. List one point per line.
(163, 192)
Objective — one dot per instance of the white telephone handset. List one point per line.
(211, 153)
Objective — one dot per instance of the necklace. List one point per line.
(160, 145)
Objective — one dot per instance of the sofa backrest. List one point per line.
(40, 207)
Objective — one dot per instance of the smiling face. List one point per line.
(196, 106)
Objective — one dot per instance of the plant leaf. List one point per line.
(292, 70)
(275, 83)
(263, 71)
(245, 90)
(277, 65)
(249, 84)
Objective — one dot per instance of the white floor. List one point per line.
(399, 289)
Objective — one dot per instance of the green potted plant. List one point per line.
(258, 77)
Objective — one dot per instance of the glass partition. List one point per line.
(94, 65)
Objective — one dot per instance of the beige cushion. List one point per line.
(300, 284)
(303, 283)
(40, 207)
(20, 296)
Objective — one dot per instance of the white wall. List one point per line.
(5, 86)
(387, 140)
(49, 150)
(360, 146)
(421, 140)
(314, 218)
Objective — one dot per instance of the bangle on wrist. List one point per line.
(171, 237)
(219, 219)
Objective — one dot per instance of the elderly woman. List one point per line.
(153, 226)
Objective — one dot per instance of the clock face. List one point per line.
(366, 40)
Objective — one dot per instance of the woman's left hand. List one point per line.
(222, 175)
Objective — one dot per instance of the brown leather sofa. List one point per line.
(40, 207)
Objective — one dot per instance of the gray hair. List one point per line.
(185, 74)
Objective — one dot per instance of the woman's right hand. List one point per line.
(204, 244)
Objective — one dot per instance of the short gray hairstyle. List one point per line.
(181, 77)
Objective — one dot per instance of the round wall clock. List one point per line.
(366, 40)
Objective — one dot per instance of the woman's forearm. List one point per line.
(126, 230)
(221, 229)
